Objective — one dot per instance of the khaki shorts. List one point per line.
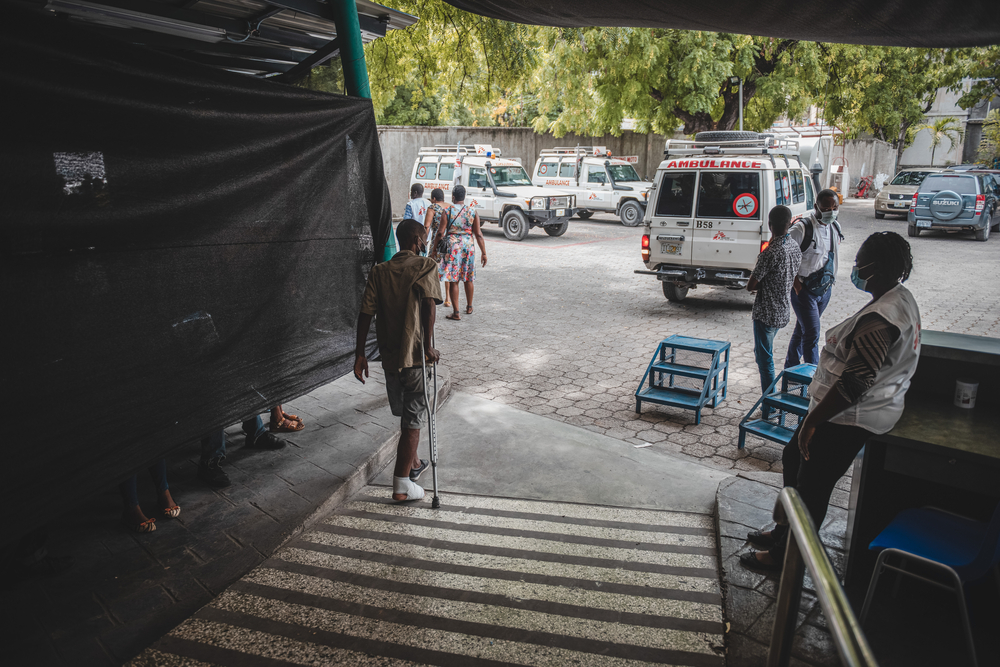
(406, 396)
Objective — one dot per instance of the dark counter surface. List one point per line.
(932, 418)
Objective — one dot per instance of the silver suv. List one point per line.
(954, 202)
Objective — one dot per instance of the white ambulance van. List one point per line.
(498, 189)
(707, 216)
(599, 181)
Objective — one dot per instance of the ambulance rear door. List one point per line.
(729, 216)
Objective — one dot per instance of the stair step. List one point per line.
(801, 374)
(680, 369)
(797, 405)
(695, 344)
(677, 397)
(768, 430)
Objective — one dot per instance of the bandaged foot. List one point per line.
(404, 489)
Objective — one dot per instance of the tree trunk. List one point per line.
(933, 148)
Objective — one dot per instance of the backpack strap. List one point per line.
(807, 236)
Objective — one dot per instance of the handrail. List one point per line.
(804, 549)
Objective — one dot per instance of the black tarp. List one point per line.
(182, 247)
(879, 22)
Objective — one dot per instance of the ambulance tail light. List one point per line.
(763, 245)
(980, 203)
(645, 247)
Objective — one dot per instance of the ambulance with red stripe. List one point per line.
(706, 221)
(601, 183)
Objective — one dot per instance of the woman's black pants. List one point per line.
(831, 452)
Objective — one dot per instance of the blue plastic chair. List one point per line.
(963, 549)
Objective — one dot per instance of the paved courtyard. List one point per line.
(563, 328)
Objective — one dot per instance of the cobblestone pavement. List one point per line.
(563, 328)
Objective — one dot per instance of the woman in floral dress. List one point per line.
(458, 227)
(436, 212)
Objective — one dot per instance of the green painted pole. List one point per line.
(352, 49)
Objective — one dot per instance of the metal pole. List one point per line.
(352, 49)
(741, 104)
(787, 608)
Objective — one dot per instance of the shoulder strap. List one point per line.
(807, 237)
(836, 225)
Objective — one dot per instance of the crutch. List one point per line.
(431, 427)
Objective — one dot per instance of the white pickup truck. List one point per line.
(599, 181)
(498, 189)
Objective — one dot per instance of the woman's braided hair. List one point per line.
(891, 252)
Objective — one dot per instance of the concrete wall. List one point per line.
(401, 144)
(867, 157)
(918, 154)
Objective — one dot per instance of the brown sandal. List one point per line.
(286, 426)
(468, 310)
(453, 316)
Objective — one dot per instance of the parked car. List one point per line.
(498, 189)
(896, 196)
(955, 202)
(600, 182)
(707, 217)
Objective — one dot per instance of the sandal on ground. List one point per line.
(447, 304)
(286, 426)
(750, 561)
(293, 418)
(172, 512)
(454, 316)
(760, 539)
(147, 526)
(468, 310)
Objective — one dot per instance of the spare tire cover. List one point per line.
(946, 205)
(728, 135)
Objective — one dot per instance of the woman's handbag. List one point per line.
(442, 246)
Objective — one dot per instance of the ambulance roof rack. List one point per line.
(763, 146)
(586, 151)
(463, 149)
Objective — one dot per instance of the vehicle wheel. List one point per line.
(584, 215)
(879, 216)
(515, 225)
(630, 214)
(984, 233)
(911, 230)
(557, 230)
(673, 292)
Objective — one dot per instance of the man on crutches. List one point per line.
(404, 293)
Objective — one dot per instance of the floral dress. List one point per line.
(459, 263)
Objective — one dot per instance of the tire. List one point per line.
(911, 230)
(673, 292)
(584, 215)
(515, 225)
(879, 216)
(557, 230)
(984, 233)
(731, 135)
(630, 214)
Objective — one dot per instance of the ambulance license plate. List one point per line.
(560, 213)
(670, 248)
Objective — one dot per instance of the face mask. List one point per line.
(859, 282)
(826, 217)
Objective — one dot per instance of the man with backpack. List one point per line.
(818, 236)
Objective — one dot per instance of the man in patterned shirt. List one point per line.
(772, 280)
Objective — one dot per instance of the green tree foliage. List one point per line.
(591, 79)
(885, 91)
(404, 110)
(982, 65)
(989, 145)
(943, 128)
(467, 62)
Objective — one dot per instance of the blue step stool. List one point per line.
(708, 382)
(791, 399)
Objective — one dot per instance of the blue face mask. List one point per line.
(859, 282)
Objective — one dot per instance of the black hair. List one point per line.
(416, 191)
(407, 230)
(891, 254)
(437, 194)
(458, 193)
(827, 194)
(780, 217)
